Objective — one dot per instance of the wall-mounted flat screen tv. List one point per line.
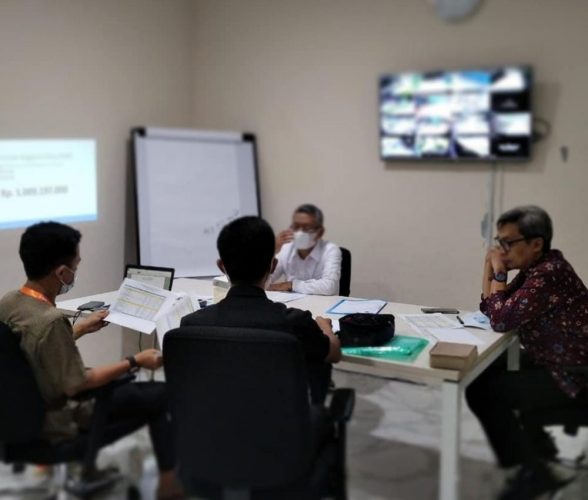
(480, 114)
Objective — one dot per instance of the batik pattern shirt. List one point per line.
(548, 306)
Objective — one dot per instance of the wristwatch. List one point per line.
(134, 366)
(500, 277)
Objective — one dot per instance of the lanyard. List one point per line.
(35, 295)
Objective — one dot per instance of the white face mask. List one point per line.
(65, 287)
(304, 241)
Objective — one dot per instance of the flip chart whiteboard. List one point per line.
(189, 184)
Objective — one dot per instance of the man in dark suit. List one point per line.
(246, 249)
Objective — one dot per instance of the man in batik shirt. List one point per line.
(547, 305)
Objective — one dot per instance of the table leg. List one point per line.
(153, 346)
(513, 356)
(450, 439)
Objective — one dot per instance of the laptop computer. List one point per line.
(162, 277)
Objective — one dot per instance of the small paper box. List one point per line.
(452, 356)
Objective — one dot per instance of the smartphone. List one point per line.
(442, 310)
(91, 306)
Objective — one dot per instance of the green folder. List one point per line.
(400, 348)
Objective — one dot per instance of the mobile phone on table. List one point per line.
(91, 306)
(442, 310)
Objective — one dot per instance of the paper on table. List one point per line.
(459, 335)
(169, 319)
(284, 297)
(476, 320)
(350, 306)
(420, 323)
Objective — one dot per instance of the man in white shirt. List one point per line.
(306, 263)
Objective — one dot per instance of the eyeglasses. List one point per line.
(507, 244)
(304, 229)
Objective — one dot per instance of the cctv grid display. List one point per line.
(456, 115)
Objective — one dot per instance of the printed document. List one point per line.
(284, 297)
(422, 322)
(171, 318)
(443, 328)
(350, 306)
(137, 305)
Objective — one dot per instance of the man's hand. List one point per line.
(150, 359)
(283, 237)
(493, 263)
(495, 257)
(285, 286)
(101, 375)
(90, 324)
(325, 324)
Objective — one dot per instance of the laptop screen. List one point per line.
(162, 277)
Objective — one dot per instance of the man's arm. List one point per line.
(328, 281)
(326, 326)
(283, 237)
(487, 276)
(493, 264)
(319, 343)
(523, 300)
(282, 286)
(102, 375)
(280, 269)
(90, 324)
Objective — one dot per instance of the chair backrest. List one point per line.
(345, 280)
(240, 406)
(23, 410)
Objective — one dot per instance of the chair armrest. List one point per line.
(342, 404)
(97, 391)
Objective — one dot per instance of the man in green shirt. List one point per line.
(50, 255)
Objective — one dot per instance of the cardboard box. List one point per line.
(453, 356)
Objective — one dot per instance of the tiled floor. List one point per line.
(394, 440)
(392, 449)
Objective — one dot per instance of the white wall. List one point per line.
(93, 68)
(303, 76)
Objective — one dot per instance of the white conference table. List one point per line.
(452, 382)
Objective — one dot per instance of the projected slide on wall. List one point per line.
(48, 179)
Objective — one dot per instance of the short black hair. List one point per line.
(47, 245)
(246, 246)
(313, 211)
(532, 221)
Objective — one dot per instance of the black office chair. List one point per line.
(345, 279)
(244, 427)
(22, 415)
